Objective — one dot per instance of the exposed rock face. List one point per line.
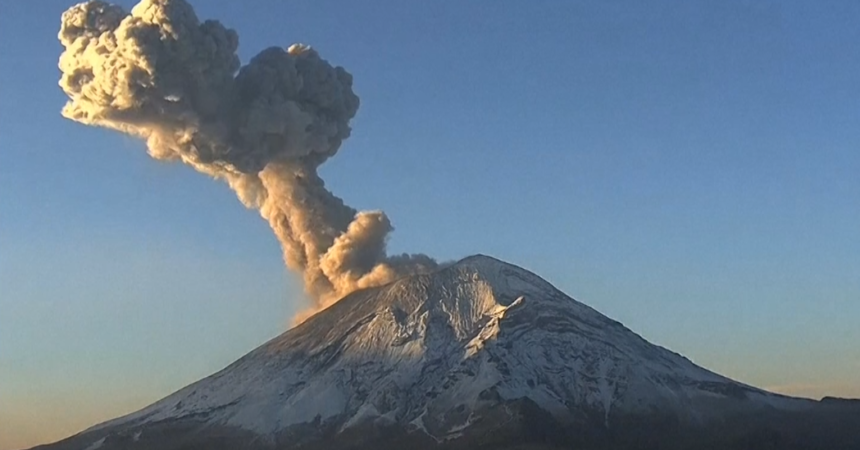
(481, 353)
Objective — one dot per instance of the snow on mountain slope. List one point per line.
(433, 351)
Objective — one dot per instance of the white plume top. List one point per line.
(160, 74)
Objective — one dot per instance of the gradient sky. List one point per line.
(689, 168)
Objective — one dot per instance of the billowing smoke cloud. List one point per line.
(160, 74)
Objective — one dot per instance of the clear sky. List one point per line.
(689, 168)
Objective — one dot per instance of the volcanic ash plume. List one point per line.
(264, 128)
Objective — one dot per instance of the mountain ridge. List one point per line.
(448, 358)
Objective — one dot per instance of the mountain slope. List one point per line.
(474, 353)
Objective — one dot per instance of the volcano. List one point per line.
(478, 354)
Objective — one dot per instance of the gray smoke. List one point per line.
(160, 74)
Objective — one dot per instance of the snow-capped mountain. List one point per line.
(476, 352)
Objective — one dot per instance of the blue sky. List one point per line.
(689, 168)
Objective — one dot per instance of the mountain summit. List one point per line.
(479, 354)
